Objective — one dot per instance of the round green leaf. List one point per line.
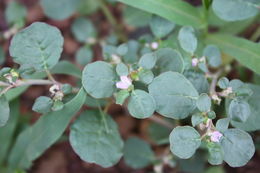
(38, 46)
(223, 83)
(198, 80)
(187, 39)
(239, 110)
(232, 10)
(122, 49)
(204, 102)
(15, 13)
(4, 111)
(121, 96)
(253, 122)
(137, 157)
(161, 27)
(174, 95)
(83, 29)
(213, 55)
(141, 104)
(84, 55)
(238, 147)
(96, 139)
(99, 79)
(169, 60)
(146, 76)
(215, 154)
(148, 60)
(184, 141)
(42, 104)
(222, 124)
(59, 9)
(122, 69)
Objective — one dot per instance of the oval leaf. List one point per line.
(4, 110)
(96, 139)
(184, 141)
(174, 95)
(141, 104)
(238, 147)
(38, 46)
(99, 79)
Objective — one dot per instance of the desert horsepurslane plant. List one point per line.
(181, 78)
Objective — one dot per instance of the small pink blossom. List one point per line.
(194, 62)
(124, 83)
(215, 136)
(154, 45)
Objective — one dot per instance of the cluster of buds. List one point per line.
(226, 92)
(216, 98)
(56, 92)
(11, 77)
(153, 45)
(196, 61)
(115, 59)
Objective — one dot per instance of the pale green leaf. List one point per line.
(95, 138)
(184, 141)
(175, 96)
(38, 46)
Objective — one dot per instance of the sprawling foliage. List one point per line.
(177, 73)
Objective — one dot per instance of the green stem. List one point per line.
(103, 116)
(112, 20)
(255, 35)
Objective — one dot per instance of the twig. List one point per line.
(214, 81)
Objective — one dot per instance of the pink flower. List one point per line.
(215, 136)
(125, 82)
(194, 62)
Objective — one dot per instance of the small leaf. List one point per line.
(83, 29)
(99, 79)
(146, 76)
(161, 27)
(122, 49)
(60, 9)
(57, 105)
(239, 110)
(213, 55)
(174, 95)
(184, 141)
(233, 10)
(15, 14)
(122, 69)
(84, 55)
(169, 60)
(222, 124)
(121, 96)
(4, 110)
(204, 103)
(141, 104)
(38, 46)
(138, 157)
(196, 119)
(238, 147)
(148, 60)
(187, 39)
(198, 80)
(42, 104)
(216, 154)
(96, 139)
(223, 83)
